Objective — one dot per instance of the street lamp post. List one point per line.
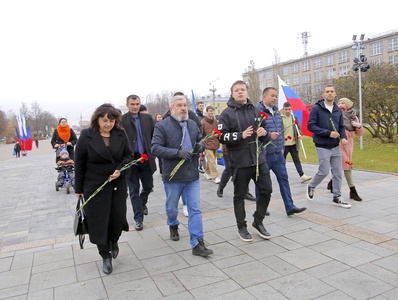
(213, 90)
(360, 65)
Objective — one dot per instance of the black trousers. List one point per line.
(295, 156)
(241, 179)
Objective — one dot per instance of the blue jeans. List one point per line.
(190, 191)
(277, 163)
(143, 172)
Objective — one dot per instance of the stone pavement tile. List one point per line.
(91, 289)
(375, 249)
(279, 265)
(339, 295)
(303, 258)
(381, 225)
(286, 243)
(261, 248)
(123, 277)
(86, 255)
(392, 245)
(14, 278)
(200, 276)
(357, 284)
(363, 234)
(393, 294)
(307, 237)
(327, 245)
(42, 295)
(53, 255)
(184, 295)
(350, 255)
(164, 264)
(122, 264)
(87, 271)
(212, 290)
(232, 261)
(300, 285)
(389, 263)
(345, 238)
(143, 289)
(327, 269)
(264, 291)
(380, 273)
(224, 250)
(51, 279)
(14, 292)
(168, 284)
(64, 263)
(251, 273)
(237, 295)
(22, 260)
(5, 264)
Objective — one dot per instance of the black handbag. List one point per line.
(80, 227)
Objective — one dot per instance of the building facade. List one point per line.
(308, 75)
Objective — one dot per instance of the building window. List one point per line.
(306, 78)
(261, 76)
(286, 70)
(376, 48)
(318, 63)
(268, 74)
(318, 89)
(393, 60)
(331, 73)
(296, 80)
(330, 60)
(318, 76)
(296, 68)
(306, 65)
(345, 70)
(307, 91)
(393, 44)
(344, 56)
(377, 61)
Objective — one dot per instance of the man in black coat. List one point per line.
(139, 128)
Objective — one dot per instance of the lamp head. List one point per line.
(362, 36)
(354, 37)
(355, 68)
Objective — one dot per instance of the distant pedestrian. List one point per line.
(17, 149)
(37, 143)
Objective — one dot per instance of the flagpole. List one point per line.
(301, 142)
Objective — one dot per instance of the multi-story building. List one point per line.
(308, 75)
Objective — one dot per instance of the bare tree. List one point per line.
(35, 115)
(254, 84)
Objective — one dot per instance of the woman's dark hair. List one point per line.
(109, 111)
(59, 121)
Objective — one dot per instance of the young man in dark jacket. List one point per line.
(173, 140)
(240, 124)
(139, 128)
(327, 126)
(274, 151)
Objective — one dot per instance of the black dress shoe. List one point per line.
(267, 213)
(220, 193)
(114, 249)
(145, 211)
(139, 226)
(296, 210)
(107, 265)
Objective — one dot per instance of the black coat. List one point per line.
(147, 126)
(73, 140)
(94, 163)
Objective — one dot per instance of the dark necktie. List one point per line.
(140, 148)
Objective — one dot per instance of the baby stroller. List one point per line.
(65, 167)
(65, 177)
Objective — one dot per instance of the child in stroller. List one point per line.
(65, 167)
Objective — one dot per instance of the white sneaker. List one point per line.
(217, 180)
(207, 176)
(185, 210)
(339, 201)
(180, 201)
(305, 178)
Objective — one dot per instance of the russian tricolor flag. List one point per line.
(286, 94)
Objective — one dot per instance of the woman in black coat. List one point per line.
(102, 150)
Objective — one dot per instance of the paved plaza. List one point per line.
(326, 252)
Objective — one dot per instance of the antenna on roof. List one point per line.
(304, 39)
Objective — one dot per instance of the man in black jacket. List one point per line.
(139, 128)
(241, 124)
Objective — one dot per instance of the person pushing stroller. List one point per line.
(65, 164)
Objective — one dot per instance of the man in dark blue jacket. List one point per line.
(327, 127)
(274, 150)
(175, 139)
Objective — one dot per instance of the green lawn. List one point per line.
(374, 156)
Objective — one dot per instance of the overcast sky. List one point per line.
(72, 56)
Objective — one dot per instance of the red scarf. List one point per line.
(64, 133)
